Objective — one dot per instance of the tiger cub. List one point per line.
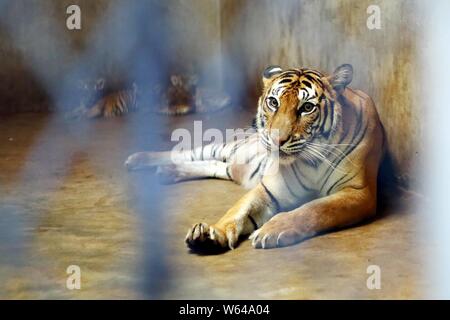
(96, 103)
(115, 104)
(179, 96)
(182, 96)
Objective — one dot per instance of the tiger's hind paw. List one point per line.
(143, 160)
(169, 174)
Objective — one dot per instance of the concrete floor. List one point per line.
(65, 199)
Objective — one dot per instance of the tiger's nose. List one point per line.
(278, 139)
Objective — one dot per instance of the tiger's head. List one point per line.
(297, 107)
(90, 91)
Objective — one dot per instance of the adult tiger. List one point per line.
(330, 142)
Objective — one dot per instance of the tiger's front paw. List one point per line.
(277, 232)
(202, 237)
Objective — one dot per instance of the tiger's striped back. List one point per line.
(115, 104)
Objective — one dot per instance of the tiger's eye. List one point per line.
(307, 107)
(272, 102)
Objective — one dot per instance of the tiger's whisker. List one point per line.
(324, 158)
(332, 151)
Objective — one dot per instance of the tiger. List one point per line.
(330, 143)
(182, 95)
(115, 104)
(95, 103)
(177, 97)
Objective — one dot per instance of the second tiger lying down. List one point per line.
(330, 143)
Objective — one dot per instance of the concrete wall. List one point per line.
(127, 40)
(37, 50)
(120, 40)
(325, 34)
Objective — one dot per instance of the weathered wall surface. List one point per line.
(37, 50)
(325, 34)
(120, 40)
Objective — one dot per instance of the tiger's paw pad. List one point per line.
(207, 239)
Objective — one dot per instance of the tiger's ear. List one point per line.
(100, 84)
(175, 80)
(193, 80)
(269, 73)
(341, 77)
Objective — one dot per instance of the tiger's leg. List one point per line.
(247, 175)
(344, 208)
(142, 160)
(246, 216)
(193, 170)
(95, 111)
